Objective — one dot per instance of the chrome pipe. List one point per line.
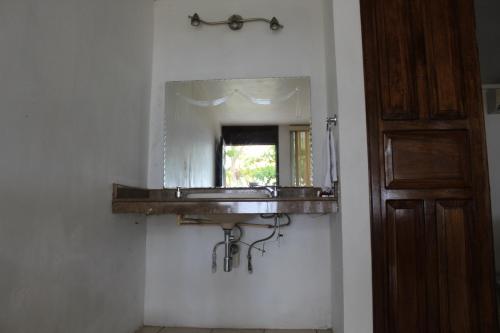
(228, 260)
(228, 257)
(214, 257)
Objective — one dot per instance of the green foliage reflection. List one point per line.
(249, 165)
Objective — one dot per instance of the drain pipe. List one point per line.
(228, 260)
(228, 254)
(214, 257)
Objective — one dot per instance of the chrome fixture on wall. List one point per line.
(235, 22)
(331, 121)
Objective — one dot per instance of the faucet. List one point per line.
(273, 190)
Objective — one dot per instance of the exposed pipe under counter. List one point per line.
(232, 244)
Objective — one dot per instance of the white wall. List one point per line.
(488, 31)
(291, 285)
(493, 138)
(354, 217)
(488, 34)
(335, 219)
(74, 98)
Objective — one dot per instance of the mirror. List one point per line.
(238, 133)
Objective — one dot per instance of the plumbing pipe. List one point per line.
(181, 220)
(228, 259)
(249, 254)
(256, 225)
(214, 256)
(214, 251)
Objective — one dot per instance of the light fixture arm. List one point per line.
(235, 22)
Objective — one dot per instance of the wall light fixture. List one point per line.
(235, 22)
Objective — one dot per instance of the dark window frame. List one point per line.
(245, 136)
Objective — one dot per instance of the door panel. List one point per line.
(431, 222)
(426, 159)
(397, 62)
(406, 262)
(456, 282)
(444, 55)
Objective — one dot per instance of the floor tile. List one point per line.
(150, 329)
(325, 331)
(291, 331)
(235, 330)
(185, 330)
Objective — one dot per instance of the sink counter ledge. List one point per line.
(130, 200)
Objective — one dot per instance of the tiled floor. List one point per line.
(158, 329)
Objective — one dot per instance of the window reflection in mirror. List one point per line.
(238, 133)
(250, 165)
(250, 156)
(301, 162)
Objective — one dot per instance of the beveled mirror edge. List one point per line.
(310, 123)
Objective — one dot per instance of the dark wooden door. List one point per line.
(431, 225)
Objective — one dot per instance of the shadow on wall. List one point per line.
(496, 233)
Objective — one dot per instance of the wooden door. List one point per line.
(431, 225)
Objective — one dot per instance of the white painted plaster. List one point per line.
(335, 219)
(493, 140)
(291, 285)
(488, 27)
(488, 34)
(74, 80)
(354, 218)
(492, 126)
(74, 98)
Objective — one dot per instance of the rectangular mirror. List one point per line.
(238, 133)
